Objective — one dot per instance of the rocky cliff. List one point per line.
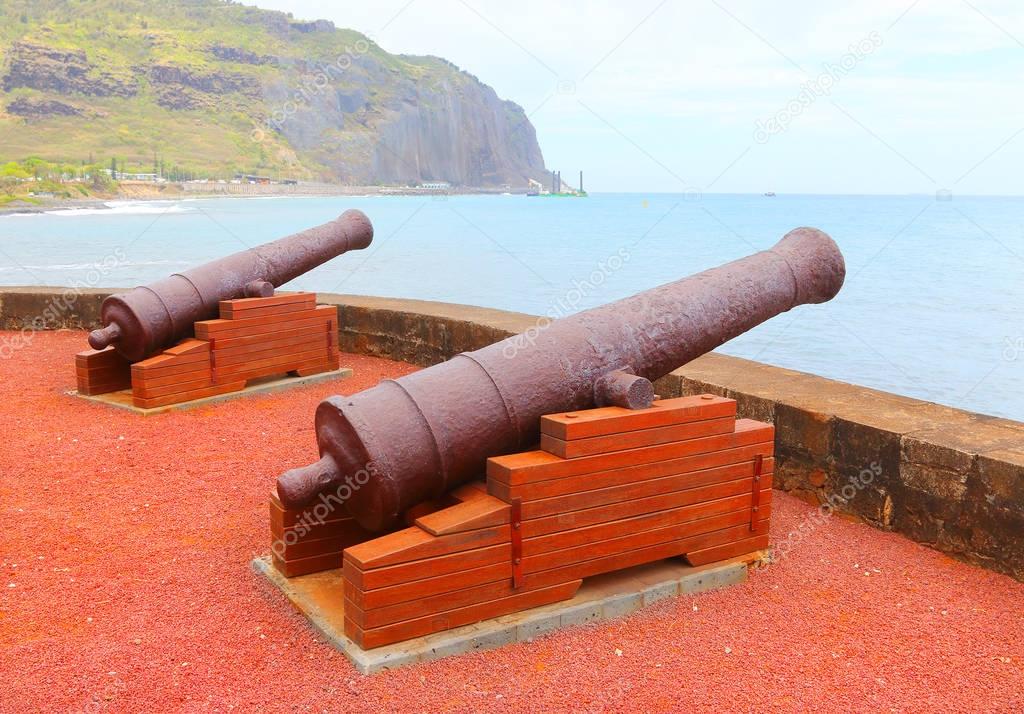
(218, 87)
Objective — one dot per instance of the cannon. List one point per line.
(149, 318)
(412, 439)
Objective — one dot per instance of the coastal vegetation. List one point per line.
(30, 180)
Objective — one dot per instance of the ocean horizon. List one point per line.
(928, 309)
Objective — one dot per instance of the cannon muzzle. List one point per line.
(408, 440)
(150, 318)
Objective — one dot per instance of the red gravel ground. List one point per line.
(126, 587)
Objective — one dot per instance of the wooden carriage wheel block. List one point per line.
(101, 371)
(253, 338)
(682, 478)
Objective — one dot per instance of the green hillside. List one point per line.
(214, 88)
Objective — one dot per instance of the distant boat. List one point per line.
(770, 194)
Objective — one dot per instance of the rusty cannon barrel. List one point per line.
(149, 318)
(408, 440)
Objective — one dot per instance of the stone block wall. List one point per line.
(49, 308)
(948, 478)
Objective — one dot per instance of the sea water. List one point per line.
(933, 305)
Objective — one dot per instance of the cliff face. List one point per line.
(217, 87)
(436, 124)
(61, 71)
(428, 124)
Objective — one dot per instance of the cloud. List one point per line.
(690, 79)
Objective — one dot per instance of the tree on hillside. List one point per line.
(13, 170)
(11, 174)
(99, 179)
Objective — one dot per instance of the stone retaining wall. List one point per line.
(951, 479)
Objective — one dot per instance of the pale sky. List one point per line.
(692, 95)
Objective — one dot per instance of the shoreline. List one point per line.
(59, 204)
(131, 191)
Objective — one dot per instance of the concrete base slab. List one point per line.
(123, 398)
(320, 597)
